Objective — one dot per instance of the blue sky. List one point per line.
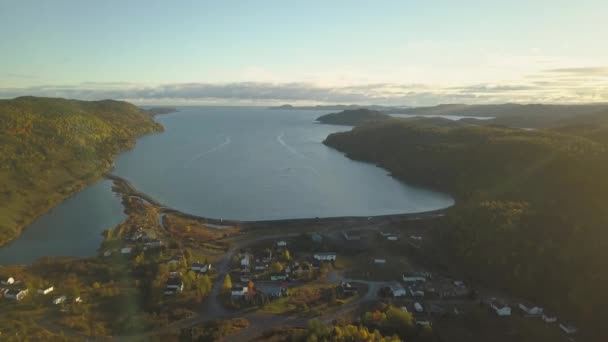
(393, 52)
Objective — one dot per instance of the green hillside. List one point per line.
(530, 216)
(353, 117)
(51, 148)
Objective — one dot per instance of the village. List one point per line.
(186, 269)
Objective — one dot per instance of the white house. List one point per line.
(416, 237)
(397, 290)
(126, 250)
(59, 300)
(531, 310)
(8, 281)
(278, 276)
(200, 268)
(16, 294)
(418, 307)
(412, 277)
(379, 261)
(239, 291)
(392, 238)
(282, 243)
(44, 291)
(325, 256)
(568, 329)
(245, 261)
(549, 318)
(500, 308)
(107, 253)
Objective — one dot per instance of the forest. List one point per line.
(51, 148)
(529, 215)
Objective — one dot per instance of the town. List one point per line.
(162, 274)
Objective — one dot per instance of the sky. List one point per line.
(306, 52)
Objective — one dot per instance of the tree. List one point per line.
(227, 285)
(188, 254)
(287, 255)
(276, 267)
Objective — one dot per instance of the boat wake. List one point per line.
(216, 148)
(294, 151)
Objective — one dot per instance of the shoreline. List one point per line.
(125, 187)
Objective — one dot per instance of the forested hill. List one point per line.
(51, 147)
(530, 215)
(353, 117)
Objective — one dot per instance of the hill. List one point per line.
(529, 216)
(161, 110)
(353, 117)
(51, 148)
(511, 114)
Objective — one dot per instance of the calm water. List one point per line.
(231, 163)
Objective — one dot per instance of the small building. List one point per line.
(44, 291)
(549, 318)
(328, 256)
(8, 281)
(530, 310)
(279, 276)
(272, 289)
(418, 307)
(245, 261)
(200, 267)
(416, 292)
(347, 288)
(16, 294)
(239, 291)
(59, 300)
(379, 261)
(416, 237)
(260, 267)
(392, 238)
(282, 243)
(266, 256)
(412, 277)
(107, 253)
(126, 250)
(500, 308)
(174, 285)
(396, 290)
(568, 328)
(423, 322)
(154, 243)
(77, 300)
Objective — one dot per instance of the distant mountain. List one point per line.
(162, 110)
(51, 148)
(511, 114)
(338, 107)
(353, 117)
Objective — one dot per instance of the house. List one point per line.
(418, 307)
(416, 292)
(8, 281)
(279, 276)
(239, 291)
(531, 310)
(412, 277)
(15, 294)
(423, 322)
(549, 318)
(126, 250)
(404, 308)
(245, 261)
(154, 243)
(266, 256)
(107, 253)
(568, 328)
(260, 267)
(397, 290)
(282, 243)
(200, 268)
(174, 285)
(347, 288)
(59, 300)
(392, 238)
(325, 256)
(77, 300)
(500, 308)
(44, 291)
(379, 261)
(272, 289)
(416, 237)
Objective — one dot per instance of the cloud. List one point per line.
(584, 71)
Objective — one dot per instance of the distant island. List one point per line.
(338, 107)
(162, 110)
(353, 117)
(52, 148)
